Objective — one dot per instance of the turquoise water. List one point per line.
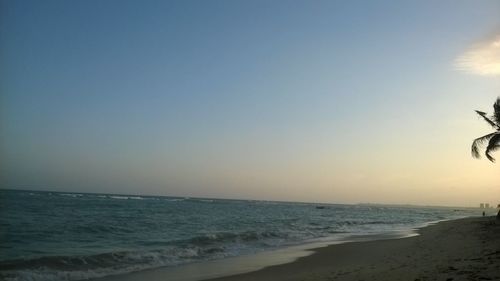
(69, 236)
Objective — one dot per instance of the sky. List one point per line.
(315, 101)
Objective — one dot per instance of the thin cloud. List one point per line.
(483, 59)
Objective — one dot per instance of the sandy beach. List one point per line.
(465, 249)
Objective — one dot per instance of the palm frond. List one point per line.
(496, 112)
(494, 144)
(477, 143)
(483, 114)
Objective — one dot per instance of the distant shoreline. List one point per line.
(461, 248)
(395, 205)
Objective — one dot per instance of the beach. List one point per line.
(462, 249)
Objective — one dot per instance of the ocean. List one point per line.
(74, 236)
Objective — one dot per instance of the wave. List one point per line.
(205, 200)
(100, 228)
(126, 197)
(174, 199)
(199, 248)
(65, 268)
(229, 237)
(368, 222)
(199, 200)
(74, 195)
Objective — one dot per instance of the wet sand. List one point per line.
(465, 249)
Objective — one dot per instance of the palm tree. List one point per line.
(493, 139)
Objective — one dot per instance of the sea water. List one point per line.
(74, 236)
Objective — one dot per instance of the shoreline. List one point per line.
(252, 262)
(462, 249)
(414, 256)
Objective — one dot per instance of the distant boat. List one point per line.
(320, 207)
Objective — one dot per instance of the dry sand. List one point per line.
(465, 249)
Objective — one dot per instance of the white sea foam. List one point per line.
(174, 199)
(74, 195)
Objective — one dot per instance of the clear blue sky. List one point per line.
(336, 101)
